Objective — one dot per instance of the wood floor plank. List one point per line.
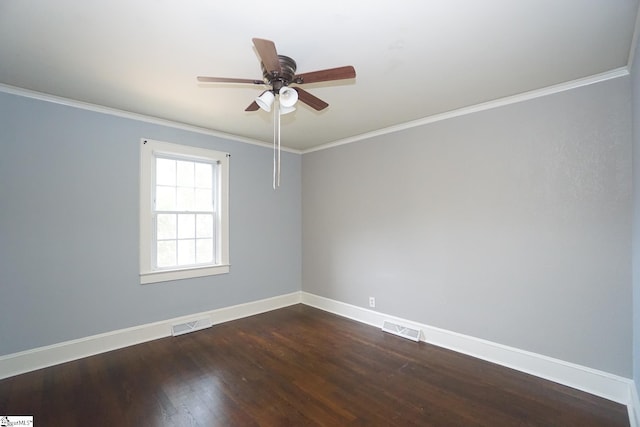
(297, 366)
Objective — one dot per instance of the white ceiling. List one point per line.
(413, 58)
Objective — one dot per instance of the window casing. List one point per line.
(184, 224)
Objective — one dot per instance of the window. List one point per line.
(184, 224)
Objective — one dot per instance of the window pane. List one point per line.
(186, 226)
(203, 200)
(186, 199)
(165, 172)
(185, 174)
(204, 251)
(204, 225)
(166, 253)
(204, 173)
(166, 226)
(165, 198)
(186, 252)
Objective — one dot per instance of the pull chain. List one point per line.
(276, 146)
(278, 180)
(275, 112)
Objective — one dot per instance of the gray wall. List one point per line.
(511, 225)
(69, 184)
(636, 217)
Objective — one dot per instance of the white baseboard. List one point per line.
(599, 383)
(603, 384)
(634, 407)
(30, 360)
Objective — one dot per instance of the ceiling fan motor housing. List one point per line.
(282, 78)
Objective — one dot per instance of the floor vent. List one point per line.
(194, 325)
(401, 330)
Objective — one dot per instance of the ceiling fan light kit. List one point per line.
(279, 72)
(287, 97)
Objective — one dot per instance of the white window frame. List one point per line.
(148, 151)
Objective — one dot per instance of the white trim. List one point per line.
(609, 386)
(590, 380)
(148, 277)
(30, 360)
(538, 93)
(13, 90)
(634, 407)
(634, 42)
(550, 90)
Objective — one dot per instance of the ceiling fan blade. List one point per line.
(228, 80)
(339, 73)
(268, 54)
(252, 107)
(311, 100)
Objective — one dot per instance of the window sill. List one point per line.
(167, 275)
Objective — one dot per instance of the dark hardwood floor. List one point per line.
(296, 366)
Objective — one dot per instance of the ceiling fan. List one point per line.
(279, 71)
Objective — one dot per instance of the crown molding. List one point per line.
(13, 90)
(501, 102)
(634, 41)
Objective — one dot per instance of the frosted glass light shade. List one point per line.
(286, 110)
(265, 101)
(288, 96)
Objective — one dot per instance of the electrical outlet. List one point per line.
(372, 302)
